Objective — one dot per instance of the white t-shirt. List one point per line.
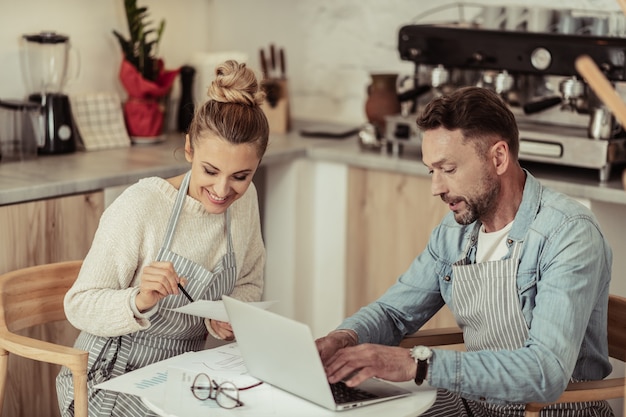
(492, 246)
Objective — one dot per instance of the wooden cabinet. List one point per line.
(390, 218)
(35, 233)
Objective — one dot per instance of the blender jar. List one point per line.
(44, 62)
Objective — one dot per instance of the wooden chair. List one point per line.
(576, 391)
(34, 296)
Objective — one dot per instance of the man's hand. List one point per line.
(355, 364)
(335, 340)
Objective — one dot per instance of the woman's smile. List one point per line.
(214, 198)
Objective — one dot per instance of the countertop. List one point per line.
(52, 176)
(58, 175)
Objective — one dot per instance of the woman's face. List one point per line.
(220, 171)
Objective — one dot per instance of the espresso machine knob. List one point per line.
(439, 76)
(478, 57)
(503, 83)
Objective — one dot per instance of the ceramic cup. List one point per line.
(516, 18)
(567, 23)
(492, 18)
(602, 124)
(599, 26)
(617, 24)
(540, 20)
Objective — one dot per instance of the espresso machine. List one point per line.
(560, 119)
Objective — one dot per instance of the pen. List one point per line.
(185, 292)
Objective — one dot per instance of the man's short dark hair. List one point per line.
(481, 115)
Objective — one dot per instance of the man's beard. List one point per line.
(481, 205)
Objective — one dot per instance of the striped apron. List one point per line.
(486, 307)
(169, 334)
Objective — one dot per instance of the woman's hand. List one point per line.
(222, 329)
(158, 280)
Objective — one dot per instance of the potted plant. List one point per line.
(143, 73)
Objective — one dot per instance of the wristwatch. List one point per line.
(422, 355)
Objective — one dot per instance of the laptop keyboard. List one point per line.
(345, 394)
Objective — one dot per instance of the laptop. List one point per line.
(282, 353)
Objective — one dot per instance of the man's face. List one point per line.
(464, 180)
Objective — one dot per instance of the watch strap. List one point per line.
(422, 371)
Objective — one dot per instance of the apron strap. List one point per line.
(178, 205)
(230, 239)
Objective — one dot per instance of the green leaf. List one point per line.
(141, 50)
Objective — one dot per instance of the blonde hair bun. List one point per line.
(235, 83)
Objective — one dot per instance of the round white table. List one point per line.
(266, 400)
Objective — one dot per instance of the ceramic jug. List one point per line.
(382, 99)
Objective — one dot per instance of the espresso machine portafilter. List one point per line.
(535, 74)
(572, 93)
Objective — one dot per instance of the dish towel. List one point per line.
(100, 120)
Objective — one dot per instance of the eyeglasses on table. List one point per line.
(225, 394)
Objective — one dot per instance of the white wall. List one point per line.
(304, 230)
(331, 46)
(89, 25)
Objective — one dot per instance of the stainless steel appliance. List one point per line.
(534, 72)
(45, 65)
(19, 130)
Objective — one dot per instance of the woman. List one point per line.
(200, 230)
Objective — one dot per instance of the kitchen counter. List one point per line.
(59, 175)
(575, 182)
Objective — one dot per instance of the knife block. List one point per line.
(276, 104)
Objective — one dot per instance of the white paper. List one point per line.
(215, 309)
(151, 380)
(229, 367)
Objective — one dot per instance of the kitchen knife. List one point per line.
(273, 59)
(263, 64)
(283, 64)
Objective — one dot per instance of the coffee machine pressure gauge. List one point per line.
(541, 58)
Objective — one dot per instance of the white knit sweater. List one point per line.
(129, 236)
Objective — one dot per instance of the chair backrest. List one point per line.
(31, 297)
(616, 327)
(34, 295)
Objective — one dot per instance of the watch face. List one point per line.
(421, 353)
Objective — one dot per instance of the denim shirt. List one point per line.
(563, 287)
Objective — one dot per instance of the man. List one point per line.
(524, 269)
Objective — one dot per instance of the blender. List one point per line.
(45, 57)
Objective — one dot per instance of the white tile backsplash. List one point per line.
(334, 45)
